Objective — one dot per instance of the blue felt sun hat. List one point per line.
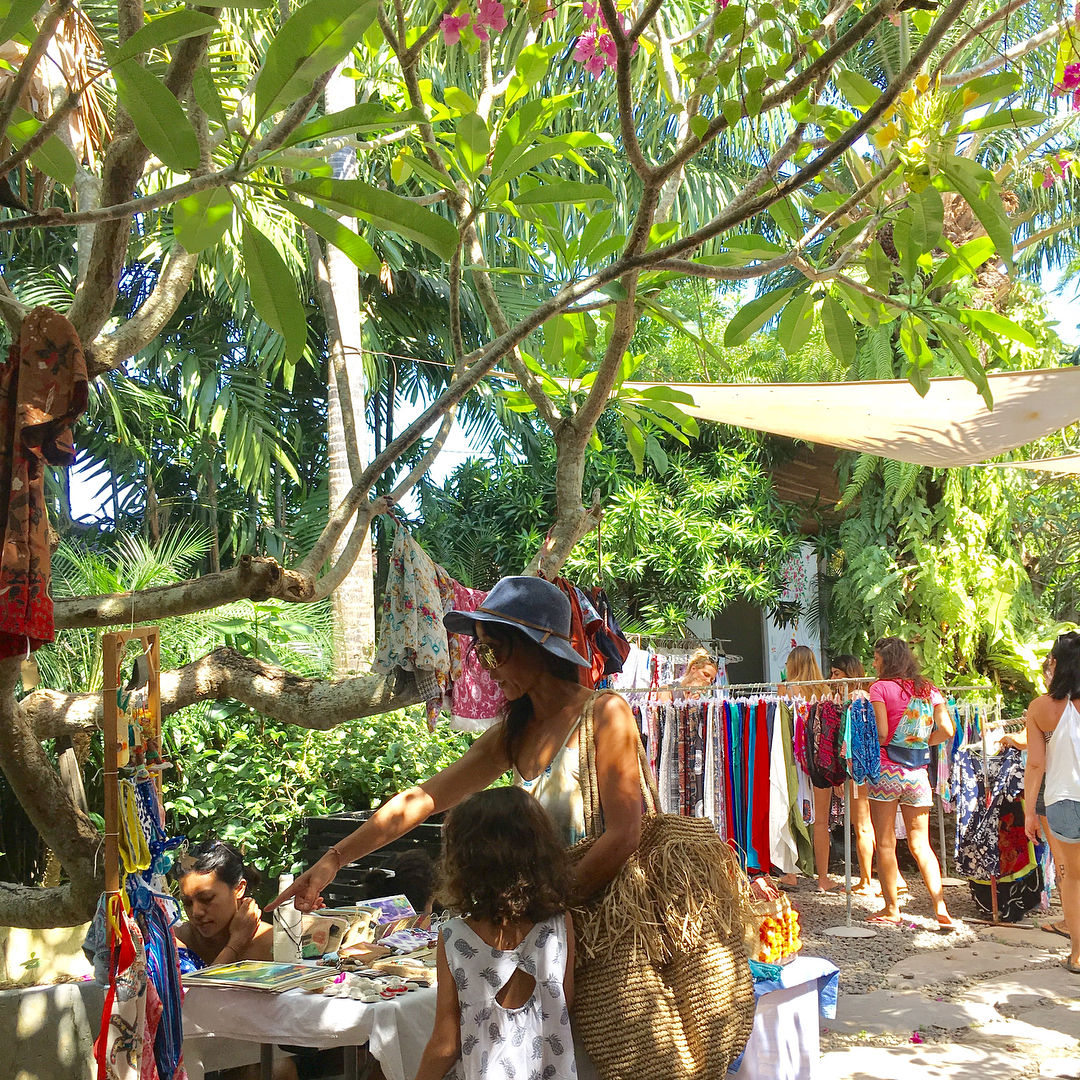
(532, 605)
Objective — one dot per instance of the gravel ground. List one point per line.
(864, 961)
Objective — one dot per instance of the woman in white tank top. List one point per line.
(1057, 714)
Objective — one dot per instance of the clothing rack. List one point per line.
(846, 689)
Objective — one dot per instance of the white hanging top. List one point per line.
(1063, 758)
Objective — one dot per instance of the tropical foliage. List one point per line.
(550, 177)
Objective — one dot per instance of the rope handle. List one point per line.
(590, 785)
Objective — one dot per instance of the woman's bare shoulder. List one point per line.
(1045, 712)
(261, 946)
(612, 708)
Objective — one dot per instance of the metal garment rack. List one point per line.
(843, 685)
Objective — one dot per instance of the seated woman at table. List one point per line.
(223, 923)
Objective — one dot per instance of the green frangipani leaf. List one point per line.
(753, 316)
(329, 228)
(385, 211)
(53, 158)
(927, 218)
(980, 191)
(839, 333)
(16, 14)
(796, 322)
(472, 143)
(315, 38)
(202, 219)
(966, 356)
(273, 291)
(158, 117)
(366, 117)
(173, 26)
(1004, 118)
(858, 89)
(567, 191)
(997, 325)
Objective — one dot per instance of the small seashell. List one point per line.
(330, 990)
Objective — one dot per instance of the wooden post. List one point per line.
(112, 649)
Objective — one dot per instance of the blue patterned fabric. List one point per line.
(865, 748)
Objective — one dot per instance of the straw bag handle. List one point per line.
(590, 786)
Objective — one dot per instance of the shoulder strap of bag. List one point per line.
(590, 787)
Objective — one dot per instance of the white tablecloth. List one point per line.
(786, 1042)
(396, 1031)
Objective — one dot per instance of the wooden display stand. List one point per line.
(112, 647)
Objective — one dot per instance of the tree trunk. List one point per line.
(353, 600)
(212, 513)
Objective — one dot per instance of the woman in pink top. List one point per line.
(902, 696)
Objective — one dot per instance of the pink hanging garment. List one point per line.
(476, 700)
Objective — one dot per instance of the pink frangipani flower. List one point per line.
(452, 25)
(585, 46)
(491, 16)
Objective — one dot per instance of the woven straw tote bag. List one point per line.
(662, 986)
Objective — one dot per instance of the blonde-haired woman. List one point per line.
(803, 678)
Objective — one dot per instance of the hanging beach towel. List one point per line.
(662, 985)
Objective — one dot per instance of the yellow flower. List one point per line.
(907, 98)
(886, 136)
(970, 96)
(916, 146)
(922, 82)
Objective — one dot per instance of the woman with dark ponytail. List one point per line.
(223, 922)
(1053, 745)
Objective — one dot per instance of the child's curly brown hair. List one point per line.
(502, 860)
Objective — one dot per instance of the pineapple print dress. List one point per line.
(532, 1042)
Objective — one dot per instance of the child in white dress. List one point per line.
(506, 961)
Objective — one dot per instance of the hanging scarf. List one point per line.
(43, 390)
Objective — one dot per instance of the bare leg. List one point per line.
(1059, 862)
(822, 801)
(864, 836)
(883, 816)
(917, 822)
(1070, 896)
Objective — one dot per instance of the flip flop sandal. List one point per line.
(1052, 928)
(1072, 969)
(837, 887)
(948, 927)
(884, 920)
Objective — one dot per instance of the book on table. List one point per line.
(258, 975)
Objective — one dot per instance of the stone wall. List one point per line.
(48, 1032)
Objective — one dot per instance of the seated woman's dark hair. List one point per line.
(502, 860)
(1066, 655)
(218, 857)
(408, 872)
(898, 662)
(519, 712)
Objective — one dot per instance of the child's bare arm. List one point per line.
(568, 978)
(444, 1046)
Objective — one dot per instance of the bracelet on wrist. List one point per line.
(341, 860)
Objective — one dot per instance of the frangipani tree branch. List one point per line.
(315, 704)
(1021, 48)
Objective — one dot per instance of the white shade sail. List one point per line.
(1063, 466)
(950, 426)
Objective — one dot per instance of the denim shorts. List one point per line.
(1063, 818)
